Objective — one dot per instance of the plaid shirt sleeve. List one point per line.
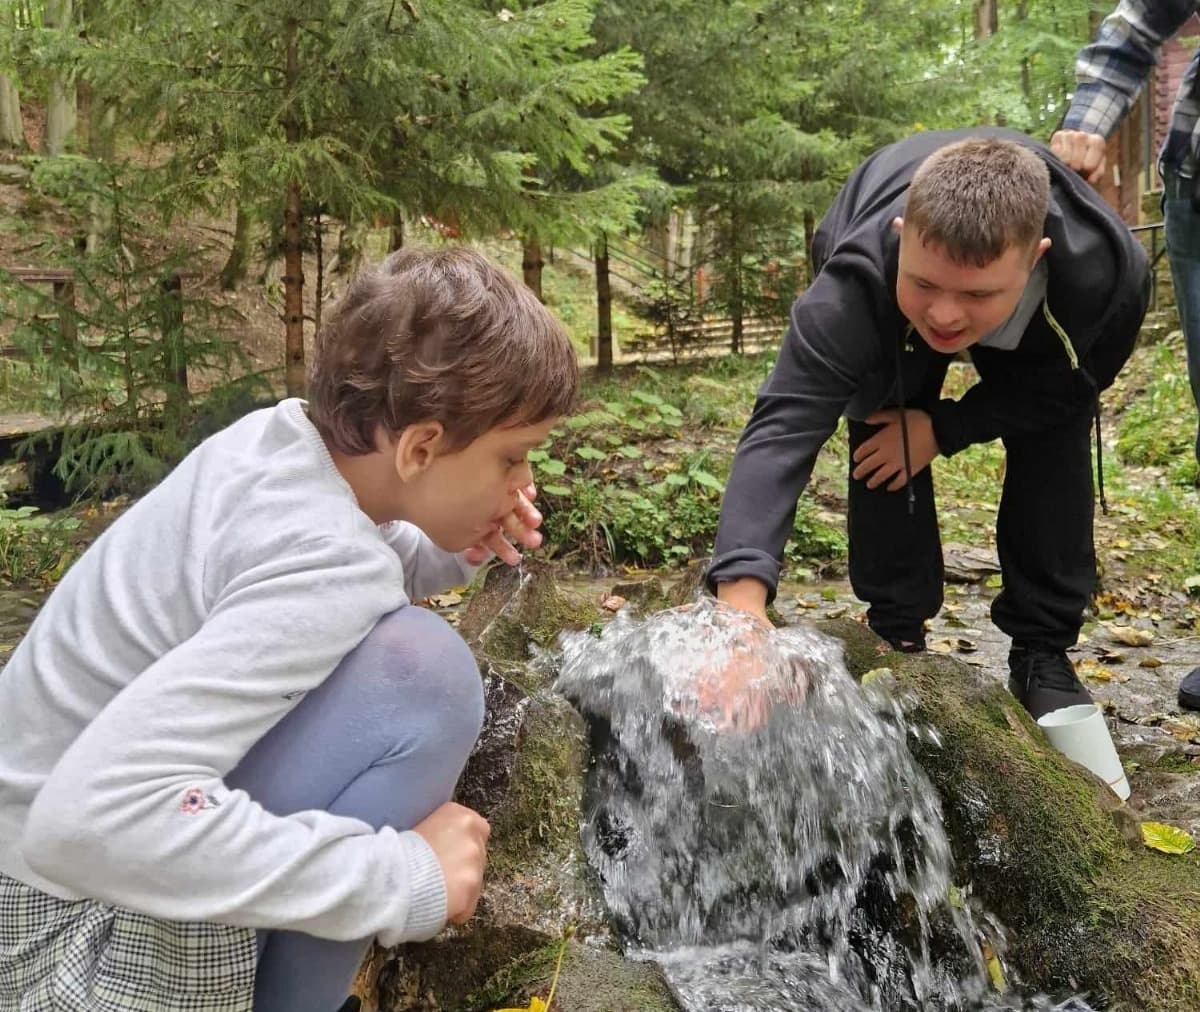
(1111, 70)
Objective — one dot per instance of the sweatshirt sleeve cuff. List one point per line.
(427, 890)
(740, 562)
(948, 428)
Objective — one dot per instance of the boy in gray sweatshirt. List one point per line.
(229, 740)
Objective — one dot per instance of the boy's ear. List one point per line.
(416, 447)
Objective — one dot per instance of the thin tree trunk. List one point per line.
(604, 331)
(102, 146)
(531, 267)
(349, 251)
(293, 240)
(810, 227)
(987, 18)
(61, 112)
(319, 295)
(12, 129)
(735, 283)
(396, 236)
(175, 375)
(1026, 73)
(234, 271)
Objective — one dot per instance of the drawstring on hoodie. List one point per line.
(908, 484)
(1074, 359)
(1070, 348)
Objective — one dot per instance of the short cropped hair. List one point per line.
(979, 197)
(438, 335)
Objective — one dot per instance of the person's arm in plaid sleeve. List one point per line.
(1109, 73)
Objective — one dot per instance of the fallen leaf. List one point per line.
(995, 970)
(612, 602)
(1111, 656)
(1168, 839)
(1149, 662)
(942, 647)
(1130, 635)
(875, 674)
(446, 600)
(535, 1005)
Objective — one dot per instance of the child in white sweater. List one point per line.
(228, 741)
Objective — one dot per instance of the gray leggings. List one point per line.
(383, 739)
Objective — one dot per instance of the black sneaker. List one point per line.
(351, 1004)
(905, 642)
(1043, 680)
(1189, 690)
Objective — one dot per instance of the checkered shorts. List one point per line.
(83, 956)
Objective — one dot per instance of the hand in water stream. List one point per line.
(738, 683)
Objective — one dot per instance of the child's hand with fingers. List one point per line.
(520, 525)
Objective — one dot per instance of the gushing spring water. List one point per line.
(759, 826)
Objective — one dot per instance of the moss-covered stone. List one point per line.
(514, 608)
(540, 814)
(591, 980)
(644, 595)
(1045, 845)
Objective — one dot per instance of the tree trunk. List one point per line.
(604, 331)
(810, 227)
(175, 375)
(12, 129)
(396, 235)
(349, 251)
(531, 267)
(319, 294)
(987, 18)
(293, 240)
(234, 271)
(61, 113)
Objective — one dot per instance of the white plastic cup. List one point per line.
(1081, 734)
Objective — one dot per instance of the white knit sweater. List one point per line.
(186, 631)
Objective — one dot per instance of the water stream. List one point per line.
(760, 828)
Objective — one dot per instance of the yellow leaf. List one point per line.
(994, 967)
(1168, 839)
(535, 1005)
(1149, 662)
(447, 600)
(875, 674)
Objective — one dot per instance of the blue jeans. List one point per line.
(1182, 229)
(383, 739)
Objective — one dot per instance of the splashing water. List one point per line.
(759, 827)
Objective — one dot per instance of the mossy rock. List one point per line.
(1044, 844)
(590, 980)
(644, 595)
(517, 607)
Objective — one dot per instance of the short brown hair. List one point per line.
(443, 335)
(978, 197)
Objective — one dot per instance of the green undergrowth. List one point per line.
(637, 475)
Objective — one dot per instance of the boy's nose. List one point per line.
(944, 314)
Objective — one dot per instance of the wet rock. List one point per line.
(643, 595)
(519, 607)
(12, 174)
(1044, 844)
(690, 585)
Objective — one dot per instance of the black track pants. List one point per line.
(1044, 537)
